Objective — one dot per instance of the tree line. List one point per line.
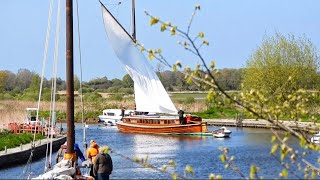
(25, 84)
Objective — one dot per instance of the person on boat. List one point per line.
(92, 152)
(181, 114)
(122, 112)
(63, 150)
(103, 167)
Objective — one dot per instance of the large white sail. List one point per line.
(150, 95)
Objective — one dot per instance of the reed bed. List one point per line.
(13, 111)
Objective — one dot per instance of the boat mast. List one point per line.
(133, 22)
(69, 78)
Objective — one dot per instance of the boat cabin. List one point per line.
(31, 117)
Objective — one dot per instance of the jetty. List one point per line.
(260, 123)
(20, 155)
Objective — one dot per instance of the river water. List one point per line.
(248, 145)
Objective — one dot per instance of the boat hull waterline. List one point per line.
(187, 129)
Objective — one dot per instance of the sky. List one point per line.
(234, 30)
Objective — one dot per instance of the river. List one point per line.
(248, 145)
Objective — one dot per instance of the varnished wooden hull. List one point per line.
(132, 125)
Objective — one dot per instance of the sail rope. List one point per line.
(55, 72)
(80, 88)
(28, 164)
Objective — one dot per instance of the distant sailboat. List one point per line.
(150, 95)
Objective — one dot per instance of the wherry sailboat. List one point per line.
(150, 95)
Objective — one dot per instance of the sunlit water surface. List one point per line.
(249, 146)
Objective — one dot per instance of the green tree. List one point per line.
(127, 81)
(76, 82)
(279, 59)
(3, 79)
(35, 83)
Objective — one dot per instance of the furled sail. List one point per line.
(150, 95)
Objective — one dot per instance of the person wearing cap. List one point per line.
(92, 152)
(181, 118)
(63, 150)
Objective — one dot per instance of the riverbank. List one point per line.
(260, 123)
(21, 154)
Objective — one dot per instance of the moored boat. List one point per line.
(149, 93)
(111, 116)
(316, 138)
(161, 125)
(221, 132)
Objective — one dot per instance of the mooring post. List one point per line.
(5, 149)
(21, 146)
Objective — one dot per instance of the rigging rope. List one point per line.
(81, 93)
(55, 72)
(28, 164)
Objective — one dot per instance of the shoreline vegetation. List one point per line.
(14, 111)
(94, 103)
(9, 140)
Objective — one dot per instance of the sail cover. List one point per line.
(150, 95)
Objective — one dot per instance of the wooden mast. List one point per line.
(133, 22)
(69, 79)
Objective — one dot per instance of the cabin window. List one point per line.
(33, 118)
(111, 114)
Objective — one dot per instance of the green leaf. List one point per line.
(201, 34)
(163, 27)
(174, 67)
(142, 48)
(168, 23)
(189, 80)
(253, 171)
(154, 20)
(223, 158)
(206, 42)
(274, 149)
(284, 173)
(151, 56)
(211, 176)
(212, 64)
(173, 30)
(175, 176)
(189, 169)
(172, 163)
(313, 174)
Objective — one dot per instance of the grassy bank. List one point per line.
(219, 112)
(10, 140)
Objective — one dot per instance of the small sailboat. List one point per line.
(155, 112)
